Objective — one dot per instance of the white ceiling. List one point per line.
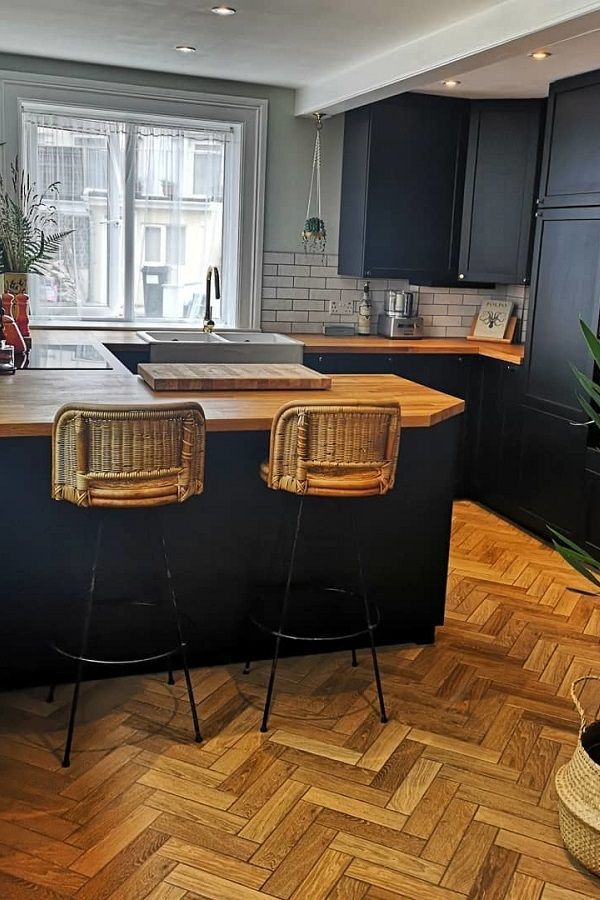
(335, 53)
(279, 42)
(520, 76)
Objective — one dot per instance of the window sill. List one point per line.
(113, 325)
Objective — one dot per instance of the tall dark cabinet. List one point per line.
(553, 486)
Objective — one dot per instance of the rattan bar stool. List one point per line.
(326, 449)
(124, 457)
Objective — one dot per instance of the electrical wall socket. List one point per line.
(341, 307)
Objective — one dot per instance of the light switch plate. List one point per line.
(341, 307)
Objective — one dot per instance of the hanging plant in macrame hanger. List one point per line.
(314, 233)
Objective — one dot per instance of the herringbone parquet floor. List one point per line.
(452, 799)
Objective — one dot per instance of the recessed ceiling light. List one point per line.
(540, 54)
(451, 83)
(224, 10)
(185, 48)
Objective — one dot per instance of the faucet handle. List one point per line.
(217, 283)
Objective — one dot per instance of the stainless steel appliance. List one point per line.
(400, 319)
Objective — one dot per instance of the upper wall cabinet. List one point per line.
(402, 172)
(570, 170)
(412, 163)
(499, 198)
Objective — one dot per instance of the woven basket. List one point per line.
(578, 789)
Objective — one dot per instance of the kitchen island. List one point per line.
(230, 540)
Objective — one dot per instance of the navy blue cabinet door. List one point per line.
(571, 170)
(500, 190)
(403, 170)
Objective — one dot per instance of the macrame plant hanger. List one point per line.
(314, 233)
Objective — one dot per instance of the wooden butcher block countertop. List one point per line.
(30, 399)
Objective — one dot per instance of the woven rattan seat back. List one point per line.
(334, 450)
(122, 456)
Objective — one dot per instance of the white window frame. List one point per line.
(182, 108)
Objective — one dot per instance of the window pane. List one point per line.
(145, 204)
(191, 227)
(83, 278)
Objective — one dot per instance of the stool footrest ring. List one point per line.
(314, 603)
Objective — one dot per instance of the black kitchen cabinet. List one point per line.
(566, 288)
(553, 436)
(551, 482)
(571, 169)
(449, 373)
(440, 190)
(592, 501)
(500, 190)
(350, 363)
(494, 436)
(403, 171)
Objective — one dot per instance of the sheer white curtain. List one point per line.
(145, 203)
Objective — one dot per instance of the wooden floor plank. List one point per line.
(452, 799)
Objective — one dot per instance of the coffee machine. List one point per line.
(400, 319)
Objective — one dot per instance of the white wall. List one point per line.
(289, 146)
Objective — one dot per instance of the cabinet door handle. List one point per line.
(582, 424)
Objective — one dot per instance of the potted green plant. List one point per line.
(578, 782)
(29, 234)
(314, 234)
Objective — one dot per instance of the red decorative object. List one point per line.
(12, 334)
(7, 303)
(21, 316)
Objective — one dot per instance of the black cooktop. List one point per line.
(61, 356)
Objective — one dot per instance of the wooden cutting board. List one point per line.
(223, 377)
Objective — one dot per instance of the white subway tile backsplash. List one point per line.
(277, 258)
(462, 310)
(293, 293)
(312, 305)
(324, 294)
(342, 283)
(309, 282)
(456, 331)
(298, 287)
(307, 327)
(278, 281)
(294, 315)
(293, 270)
(276, 303)
(323, 271)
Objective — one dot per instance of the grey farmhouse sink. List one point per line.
(222, 347)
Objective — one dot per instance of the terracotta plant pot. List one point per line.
(15, 282)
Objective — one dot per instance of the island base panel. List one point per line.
(223, 546)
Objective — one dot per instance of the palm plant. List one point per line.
(580, 560)
(29, 233)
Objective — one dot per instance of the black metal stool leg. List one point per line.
(170, 678)
(50, 694)
(182, 644)
(265, 720)
(363, 590)
(354, 659)
(84, 644)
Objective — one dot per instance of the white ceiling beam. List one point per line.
(505, 30)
